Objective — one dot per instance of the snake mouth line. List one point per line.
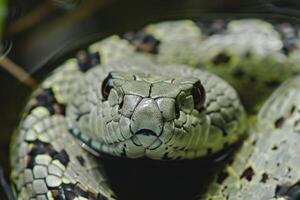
(145, 139)
(146, 132)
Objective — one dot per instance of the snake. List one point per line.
(174, 90)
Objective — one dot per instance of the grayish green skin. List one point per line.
(145, 91)
(269, 158)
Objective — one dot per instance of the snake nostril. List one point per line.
(177, 111)
(121, 105)
(146, 132)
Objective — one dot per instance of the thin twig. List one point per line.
(5, 186)
(18, 72)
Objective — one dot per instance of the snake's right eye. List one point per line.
(106, 87)
(198, 94)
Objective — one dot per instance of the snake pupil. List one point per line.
(106, 86)
(198, 93)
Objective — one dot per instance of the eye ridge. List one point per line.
(106, 86)
(198, 93)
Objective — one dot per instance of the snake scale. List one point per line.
(156, 93)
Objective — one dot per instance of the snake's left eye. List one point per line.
(106, 86)
(198, 93)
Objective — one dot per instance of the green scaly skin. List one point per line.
(150, 95)
(267, 165)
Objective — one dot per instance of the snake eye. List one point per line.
(198, 93)
(106, 86)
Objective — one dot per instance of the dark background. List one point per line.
(40, 34)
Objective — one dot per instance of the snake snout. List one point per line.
(147, 118)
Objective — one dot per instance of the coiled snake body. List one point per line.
(154, 94)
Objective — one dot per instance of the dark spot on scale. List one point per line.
(248, 174)
(292, 110)
(212, 27)
(264, 178)
(289, 35)
(297, 125)
(274, 148)
(221, 58)
(46, 98)
(39, 148)
(70, 194)
(58, 194)
(225, 187)
(222, 176)
(63, 157)
(278, 164)
(285, 50)
(81, 160)
(279, 122)
(142, 41)
(87, 60)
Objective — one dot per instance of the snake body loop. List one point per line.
(158, 94)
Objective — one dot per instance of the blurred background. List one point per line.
(37, 35)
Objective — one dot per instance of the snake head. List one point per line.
(146, 115)
(143, 115)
